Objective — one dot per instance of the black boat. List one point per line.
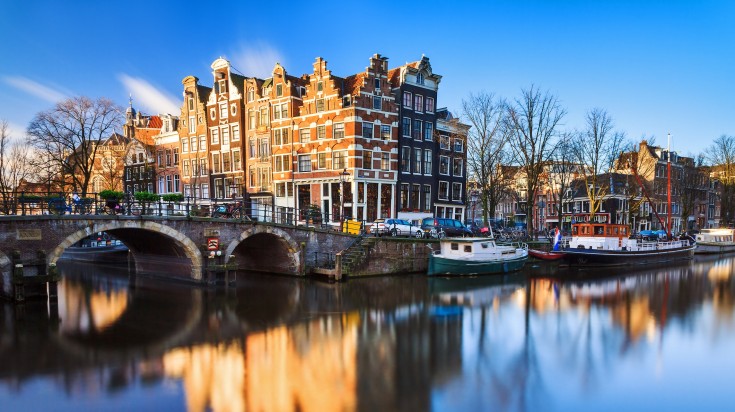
(100, 248)
(610, 244)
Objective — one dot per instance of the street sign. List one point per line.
(212, 243)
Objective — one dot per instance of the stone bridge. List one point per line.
(173, 246)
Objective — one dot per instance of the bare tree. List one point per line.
(597, 148)
(531, 123)
(70, 134)
(14, 166)
(637, 165)
(562, 171)
(486, 150)
(721, 155)
(692, 185)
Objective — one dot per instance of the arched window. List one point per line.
(251, 94)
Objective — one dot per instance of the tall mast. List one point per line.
(668, 188)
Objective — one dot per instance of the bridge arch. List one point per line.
(161, 241)
(266, 248)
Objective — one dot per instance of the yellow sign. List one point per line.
(351, 227)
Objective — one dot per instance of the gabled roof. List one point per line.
(353, 84)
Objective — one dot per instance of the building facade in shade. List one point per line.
(168, 178)
(451, 168)
(139, 153)
(192, 130)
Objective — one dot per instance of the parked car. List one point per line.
(395, 227)
(449, 227)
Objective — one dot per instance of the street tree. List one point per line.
(531, 123)
(692, 185)
(14, 166)
(597, 148)
(721, 156)
(562, 171)
(70, 134)
(486, 149)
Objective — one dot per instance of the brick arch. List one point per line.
(181, 240)
(293, 248)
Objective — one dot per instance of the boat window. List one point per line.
(624, 230)
(615, 230)
(599, 230)
(454, 246)
(485, 245)
(575, 230)
(468, 248)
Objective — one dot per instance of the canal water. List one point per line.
(547, 339)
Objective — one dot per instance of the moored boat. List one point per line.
(609, 244)
(544, 255)
(476, 256)
(715, 241)
(97, 249)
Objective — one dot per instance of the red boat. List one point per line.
(543, 255)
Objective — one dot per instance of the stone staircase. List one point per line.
(356, 254)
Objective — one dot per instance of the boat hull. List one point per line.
(439, 266)
(589, 257)
(714, 247)
(102, 254)
(543, 255)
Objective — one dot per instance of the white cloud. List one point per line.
(257, 60)
(148, 98)
(34, 88)
(15, 131)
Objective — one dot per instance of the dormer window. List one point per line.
(377, 84)
(319, 86)
(279, 90)
(222, 86)
(346, 101)
(420, 78)
(251, 94)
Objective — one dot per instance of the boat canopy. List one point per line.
(599, 230)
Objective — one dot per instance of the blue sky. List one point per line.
(655, 66)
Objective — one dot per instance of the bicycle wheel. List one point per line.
(236, 214)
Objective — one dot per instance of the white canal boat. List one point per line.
(715, 241)
(476, 256)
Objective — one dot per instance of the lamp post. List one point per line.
(473, 200)
(342, 179)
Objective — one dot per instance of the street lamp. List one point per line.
(473, 200)
(342, 179)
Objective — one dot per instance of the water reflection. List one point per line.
(572, 340)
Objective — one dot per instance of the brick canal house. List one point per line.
(193, 136)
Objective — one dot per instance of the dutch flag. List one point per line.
(557, 239)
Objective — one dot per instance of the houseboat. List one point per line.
(100, 248)
(715, 241)
(610, 244)
(476, 256)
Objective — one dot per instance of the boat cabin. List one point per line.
(719, 235)
(474, 248)
(600, 236)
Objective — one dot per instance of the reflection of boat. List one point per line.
(715, 241)
(608, 244)
(97, 249)
(544, 255)
(474, 290)
(476, 256)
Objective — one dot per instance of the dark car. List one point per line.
(449, 227)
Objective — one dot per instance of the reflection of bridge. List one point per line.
(172, 245)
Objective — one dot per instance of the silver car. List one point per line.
(396, 227)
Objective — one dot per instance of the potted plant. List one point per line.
(146, 198)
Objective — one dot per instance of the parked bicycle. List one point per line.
(228, 211)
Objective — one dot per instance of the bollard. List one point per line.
(18, 286)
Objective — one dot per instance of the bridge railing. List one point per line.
(257, 210)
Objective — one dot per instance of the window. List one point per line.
(321, 131)
(404, 196)
(385, 132)
(367, 159)
(319, 86)
(430, 104)
(458, 145)
(279, 90)
(428, 131)
(417, 160)
(176, 156)
(192, 125)
(427, 161)
(263, 121)
(160, 158)
(420, 78)
(321, 160)
(406, 159)
(263, 149)
(177, 182)
(253, 153)
(444, 142)
(427, 197)
(280, 136)
(235, 132)
(406, 126)
(443, 165)
(184, 145)
(415, 191)
(338, 130)
(282, 163)
(205, 191)
(457, 167)
(443, 190)
(202, 143)
(280, 189)
(193, 144)
(226, 162)
(215, 136)
(168, 157)
(346, 101)
(407, 100)
(377, 103)
(191, 103)
(456, 191)
(284, 110)
(169, 184)
(320, 105)
(367, 130)
(186, 168)
(251, 94)
(215, 163)
(203, 166)
(385, 161)
(236, 164)
(251, 119)
(304, 163)
(417, 129)
(276, 111)
(418, 103)
(338, 160)
(223, 111)
(304, 135)
(377, 84)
